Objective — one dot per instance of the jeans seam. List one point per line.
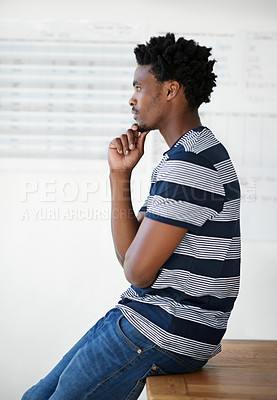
(116, 372)
(141, 381)
(109, 377)
(127, 340)
(123, 336)
(138, 383)
(182, 362)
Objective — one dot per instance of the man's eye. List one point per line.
(138, 88)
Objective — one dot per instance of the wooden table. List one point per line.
(245, 369)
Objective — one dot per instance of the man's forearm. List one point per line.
(123, 220)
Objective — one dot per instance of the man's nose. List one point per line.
(132, 101)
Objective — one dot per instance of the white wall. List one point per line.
(58, 277)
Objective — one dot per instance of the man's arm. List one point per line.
(153, 244)
(142, 245)
(140, 216)
(124, 223)
(124, 153)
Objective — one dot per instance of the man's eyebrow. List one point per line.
(136, 83)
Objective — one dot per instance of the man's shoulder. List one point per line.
(198, 145)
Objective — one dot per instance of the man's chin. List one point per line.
(144, 128)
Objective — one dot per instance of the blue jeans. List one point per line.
(112, 361)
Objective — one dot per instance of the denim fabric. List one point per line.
(112, 361)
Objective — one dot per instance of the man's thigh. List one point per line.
(109, 365)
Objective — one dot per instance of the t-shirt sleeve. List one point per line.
(144, 206)
(185, 194)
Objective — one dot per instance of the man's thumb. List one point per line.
(141, 140)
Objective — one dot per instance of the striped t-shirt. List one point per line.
(187, 307)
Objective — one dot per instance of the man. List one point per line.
(181, 254)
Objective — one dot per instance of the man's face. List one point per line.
(147, 101)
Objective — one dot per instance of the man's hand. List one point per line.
(126, 150)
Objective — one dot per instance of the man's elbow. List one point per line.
(134, 274)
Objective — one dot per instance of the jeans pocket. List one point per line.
(137, 389)
(132, 336)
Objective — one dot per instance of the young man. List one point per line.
(181, 254)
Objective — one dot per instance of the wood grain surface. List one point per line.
(245, 369)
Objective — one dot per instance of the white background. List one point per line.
(58, 276)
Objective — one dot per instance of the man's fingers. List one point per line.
(125, 143)
(131, 135)
(129, 141)
(116, 143)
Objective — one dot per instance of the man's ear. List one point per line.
(173, 88)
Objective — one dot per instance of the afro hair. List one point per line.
(182, 60)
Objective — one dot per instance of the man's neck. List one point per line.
(175, 126)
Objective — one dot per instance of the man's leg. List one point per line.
(108, 366)
(113, 363)
(47, 386)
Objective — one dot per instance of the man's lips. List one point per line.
(135, 114)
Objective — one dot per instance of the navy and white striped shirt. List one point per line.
(187, 307)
